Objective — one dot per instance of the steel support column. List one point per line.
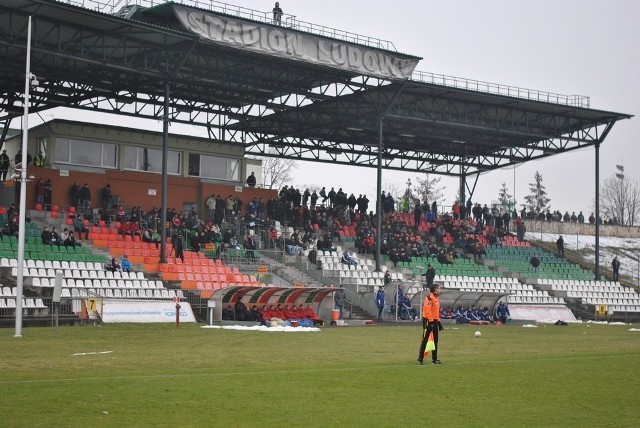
(463, 183)
(597, 278)
(378, 200)
(165, 154)
(597, 146)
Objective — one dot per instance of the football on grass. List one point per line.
(478, 334)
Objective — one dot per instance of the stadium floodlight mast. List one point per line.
(29, 80)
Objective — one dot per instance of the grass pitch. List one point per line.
(157, 375)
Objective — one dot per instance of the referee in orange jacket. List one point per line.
(430, 323)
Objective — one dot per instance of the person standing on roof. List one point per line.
(277, 14)
(430, 323)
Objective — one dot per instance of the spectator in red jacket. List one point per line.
(125, 228)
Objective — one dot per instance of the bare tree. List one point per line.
(620, 200)
(276, 171)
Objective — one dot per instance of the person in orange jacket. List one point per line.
(430, 323)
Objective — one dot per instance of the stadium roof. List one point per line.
(280, 104)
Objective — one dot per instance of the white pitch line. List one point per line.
(91, 353)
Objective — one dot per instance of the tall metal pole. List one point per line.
(597, 211)
(514, 187)
(23, 188)
(165, 154)
(462, 191)
(379, 202)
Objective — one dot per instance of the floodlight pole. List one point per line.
(23, 188)
(597, 250)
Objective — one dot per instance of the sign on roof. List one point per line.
(286, 43)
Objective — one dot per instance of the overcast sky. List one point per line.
(584, 47)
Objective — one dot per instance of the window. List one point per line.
(86, 153)
(221, 168)
(150, 160)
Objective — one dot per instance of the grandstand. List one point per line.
(182, 76)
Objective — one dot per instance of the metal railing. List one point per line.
(112, 7)
(498, 89)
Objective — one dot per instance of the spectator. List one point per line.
(55, 237)
(277, 14)
(80, 227)
(125, 264)
(112, 265)
(560, 245)
(379, 298)
(74, 195)
(250, 246)
(430, 274)
(85, 196)
(48, 194)
(4, 165)
(106, 197)
(40, 191)
(398, 298)
(64, 237)
(150, 236)
(535, 262)
(18, 158)
(615, 265)
(502, 312)
(387, 277)
(178, 246)
(211, 205)
(348, 259)
(339, 299)
(251, 180)
(39, 160)
(194, 242)
(71, 240)
(45, 236)
(408, 308)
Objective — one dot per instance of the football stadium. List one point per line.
(150, 276)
